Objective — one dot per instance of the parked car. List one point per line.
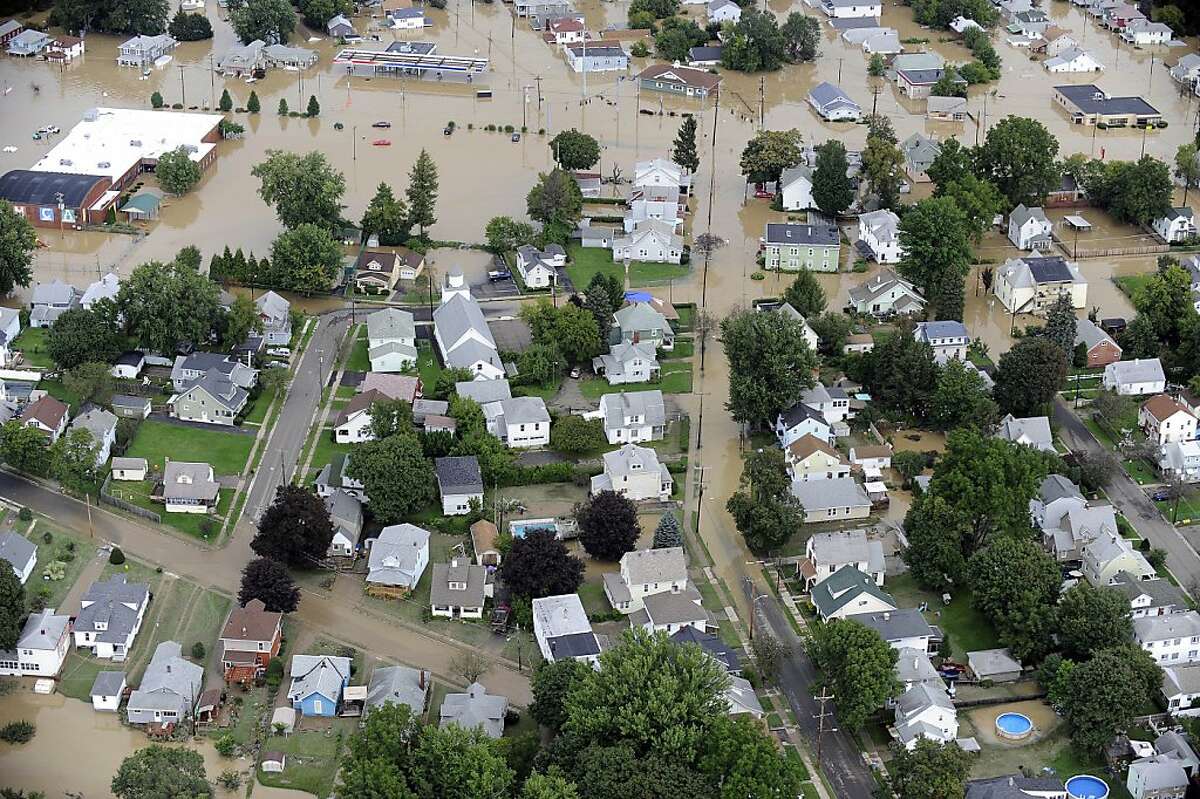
(280, 352)
(276, 365)
(496, 275)
(516, 137)
(575, 373)
(381, 124)
(1161, 495)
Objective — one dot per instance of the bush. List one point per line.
(177, 106)
(156, 100)
(17, 732)
(225, 745)
(116, 557)
(274, 673)
(198, 650)
(25, 515)
(230, 780)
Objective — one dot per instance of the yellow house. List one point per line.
(810, 458)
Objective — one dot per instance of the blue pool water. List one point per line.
(1087, 787)
(519, 529)
(1014, 723)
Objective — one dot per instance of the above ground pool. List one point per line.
(1086, 786)
(1013, 726)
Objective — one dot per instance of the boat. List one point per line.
(381, 124)
(382, 143)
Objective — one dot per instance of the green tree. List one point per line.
(91, 381)
(156, 100)
(1015, 584)
(395, 474)
(858, 665)
(900, 374)
(937, 253)
(930, 770)
(667, 533)
(422, 193)
(295, 529)
(801, 37)
(1102, 697)
(73, 460)
(1090, 619)
(283, 107)
(164, 304)
(574, 150)
(505, 234)
(161, 772)
(306, 258)
(187, 27)
(744, 761)
(908, 464)
(769, 153)
(1165, 301)
(539, 565)
(755, 43)
(270, 582)
(1018, 157)
(979, 201)
(318, 12)
(1142, 191)
(241, 320)
(882, 162)
(832, 190)
(270, 20)
(81, 335)
(387, 217)
(770, 364)
(1061, 324)
(314, 107)
(302, 188)
(876, 67)
(391, 417)
(952, 165)
(1187, 167)
(557, 203)
(553, 786)
(1173, 16)
(949, 84)
(961, 399)
(658, 9)
(574, 434)
(576, 334)
(24, 448)
(832, 330)
(253, 105)
(453, 763)
(177, 173)
(1029, 375)
(763, 508)
(12, 609)
(226, 102)
(552, 682)
(684, 152)
(608, 525)
(540, 365)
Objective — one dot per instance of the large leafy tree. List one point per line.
(556, 202)
(755, 44)
(930, 770)
(387, 217)
(422, 192)
(177, 173)
(81, 335)
(801, 37)
(505, 234)
(1137, 192)
(1165, 300)
(608, 525)
(552, 682)
(744, 762)
(575, 150)
(306, 258)
(12, 609)
(269, 581)
(1029, 375)
(1018, 157)
(1090, 619)
(90, 382)
(458, 764)
(901, 374)
(161, 772)
(270, 20)
(1061, 324)
(17, 242)
(954, 162)
(164, 304)
(73, 459)
(318, 12)
(935, 239)
(769, 153)
(961, 399)
(882, 161)
(302, 188)
(1015, 584)
(676, 36)
(295, 529)
(832, 189)
(805, 294)
(763, 507)
(770, 364)
(979, 201)
(684, 152)
(1102, 696)
(540, 565)
(24, 448)
(395, 474)
(858, 665)
(147, 17)
(617, 771)
(240, 320)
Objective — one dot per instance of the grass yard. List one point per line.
(55, 591)
(156, 441)
(687, 315)
(359, 360)
(593, 598)
(258, 413)
(675, 378)
(712, 601)
(56, 389)
(1099, 432)
(326, 448)
(684, 348)
(1130, 285)
(32, 344)
(1140, 471)
(1189, 510)
(254, 703)
(585, 262)
(427, 365)
(966, 626)
(312, 757)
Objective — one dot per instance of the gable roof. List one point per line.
(1163, 407)
(399, 685)
(726, 655)
(17, 550)
(475, 709)
(458, 475)
(1139, 370)
(687, 76)
(893, 625)
(391, 323)
(395, 553)
(46, 410)
(844, 586)
(318, 674)
(655, 565)
(1089, 333)
(252, 622)
(484, 391)
(840, 492)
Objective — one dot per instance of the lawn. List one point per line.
(687, 314)
(585, 262)
(326, 448)
(312, 757)
(427, 365)
(547, 393)
(712, 601)
(593, 598)
(32, 344)
(684, 348)
(675, 378)
(1131, 284)
(967, 628)
(1140, 471)
(55, 591)
(156, 441)
(193, 524)
(56, 389)
(258, 413)
(359, 360)
(1189, 510)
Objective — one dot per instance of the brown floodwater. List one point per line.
(97, 745)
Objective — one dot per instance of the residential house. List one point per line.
(847, 592)
(1157, 776)
(459, 481)
(1031, 23)
(377, 271)
(189, 487)
(1029, 229)
(946, 109)
(410, 19)
(1034, 284)
(799, 421)
(110, 615)
(919, 153)
(463, 336)
(918, 83)
(169, 688)
(1164, 420)
(20, 553)
(128, 365)
(1108, 554)
(795, 188)
(392, 340)
(1087, 104)
(28, 43)
(661, 203)
(668, 612)
(829, 101)
(1186, 69)
(740, 697)
(1143, 33)
(651, 240)
(904, 628)
(484, 391)
(661, 172)
(627, 362)
(948, 339)
(871, 458)
(1181, 689)
(275, 313)
(913, 668)
(598, 56)
(642, 323)
(341, 28)
(188, 369)
(721, 11)
(645, 572)
(476, 709)
(353, 422)
(632, 416)
(634, 472)
(243, 59)
(852, 9)
(9, 30)
(1031, 431)
(832, 402)
(345, 511)
(1170, 639)
(129, 407)
(994, 665)
(398, 559)
(1049, 512)
(810, 336)
(213, 399)
(143, 51)
(886, 294)
(1178, 226)
(925, 711)
(885, 41)
(826, 554)
(105, 288)
(703, 57)
(1073, 60)
(50, 300)
(1150, 597)
(562, 630)
(713, 646)
(458, 589)
(107, 691)
(333, 477)
(484, 541)
(566, 30)
(680, 80)
(790, 247)
(47, 415)
(1182, 460)
(879, 236)
(1135, 378)
(102, 426)
(10, 328)
(41, 647)
(251, 637)
(398, 685)
(520, 422)
(539, 268)
(1101, 348)
(858, 343)
(398, 387)
(1016, 786)
(317, 683)
(810, 458)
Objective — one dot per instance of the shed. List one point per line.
(142, 206)
(107, 690)
(273, 762)
(997, 665)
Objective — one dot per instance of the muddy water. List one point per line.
(98, 744)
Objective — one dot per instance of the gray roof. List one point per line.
(1171, 625)
(841, 492)
(43, 630)
(8, 26)
(1056, 486)
(130, 463)
(1161, 592)
(843, 587)
(945, 105)
(791, 175)
(453, 319)
(221, 389)
(55, 292)
(475, 708)
(170, 681)
(655, 565)
(670, 608)
(712, 644)
(988, 662)
(108, 603)
(17, 550)
(881, 284)
(787, 233)
(458, 475)
(1174, 744)
(127, 401)
(633, 403)
(920, 150)
(273, 306)
(524, 410)
(927, 331)
(393, 558)
(484, 391)
(1158, 772)
(1013, 786)
(825, 94)
(457, 571)
(641, 316)
(1089, 99)
(1089, 333)
(631, 458)
(704, 53)
(1032, 430)
(108, 683)
(346, 513)
(921, 696)
(318, 674)
(1142, 370)
(893, 625)
(96, 421)
(183, 480)
(914, 666)
(391, 323)
(399, 685)
(1181, 679)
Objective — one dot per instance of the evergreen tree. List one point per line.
(226, 104)
(832, 190)
(156, 100)
(667, 534)
(283, 107)
(422, 192)
(684, 152)
(253, 105)
(387, 217)
(1060, 324)
(314, 108)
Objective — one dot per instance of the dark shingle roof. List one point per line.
(459, 475)
(43, 188)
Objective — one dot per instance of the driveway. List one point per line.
(496, 290)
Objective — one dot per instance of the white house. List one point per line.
(628, 362)
(1165, 421)
(407, 19)
(107, 691)
(847, 592)
(645, 572)
(634, 472)
(1029, 229)
(104, 288)
(1073, 60)
(1154, 597)
(1157, 776)
(1030, 431)
(459, 589)
(925, 711)
(832, 104)
(20, 553)
(724, 11)
(345, 511)
(1033, 284)
(667, 612)
(459, 481)
(872, 457)
(849, 9)
(810, 335)
(391, 340)
(128, 365)
(826, 554)
(885, 294)
(652, 240)
(562, 629)
(110, 615)
(352, 425)
(189, 487)
(810, 458)
(799, 421)
(1181, 689)
(41, 647)
(520, 422)
(879, 233)
(102, 425)
(831, 500)
(1177, 226)
(948, 339)
(1182, 460)
(538, 268)
(398, 558)
(795, 188)
(1170, 639)
(1136, 377)
(463, 335)
(1143, 32)
(632, 416)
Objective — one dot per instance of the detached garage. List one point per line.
(51, 199)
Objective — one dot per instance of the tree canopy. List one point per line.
(161, 772)
(1018, 157)
(769, 153)
(763, 508)
(539, 565)
(755, 43)
(177, 173)
(608, 525)
(832, 190)
(395, 474)
(295, 529)
(805, 294)
(858, 665)
(270, 20)
(17, 242)
(1015, 584)
(306, 258)
(1029, 375)
(165, 304)
(575, 150)
(930, 770)
(556, 202)
(269, 581)
(935, 239)
(770, 364)
(81, 335)
(302, 188)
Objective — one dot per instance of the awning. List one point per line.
(1077, 222)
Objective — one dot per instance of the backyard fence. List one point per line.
(999, 700)
(107, 498)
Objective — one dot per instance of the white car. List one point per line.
(280, 352)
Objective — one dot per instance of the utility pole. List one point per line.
(839, 72)
(823, 697)
(712, 182)
(538, 79)
(875, 104)
(524, 106)
(212, 84)
(762, 86)
(182, 87)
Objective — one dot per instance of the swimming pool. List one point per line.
(520, 528)
(1013, 726)
(1085, 786)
